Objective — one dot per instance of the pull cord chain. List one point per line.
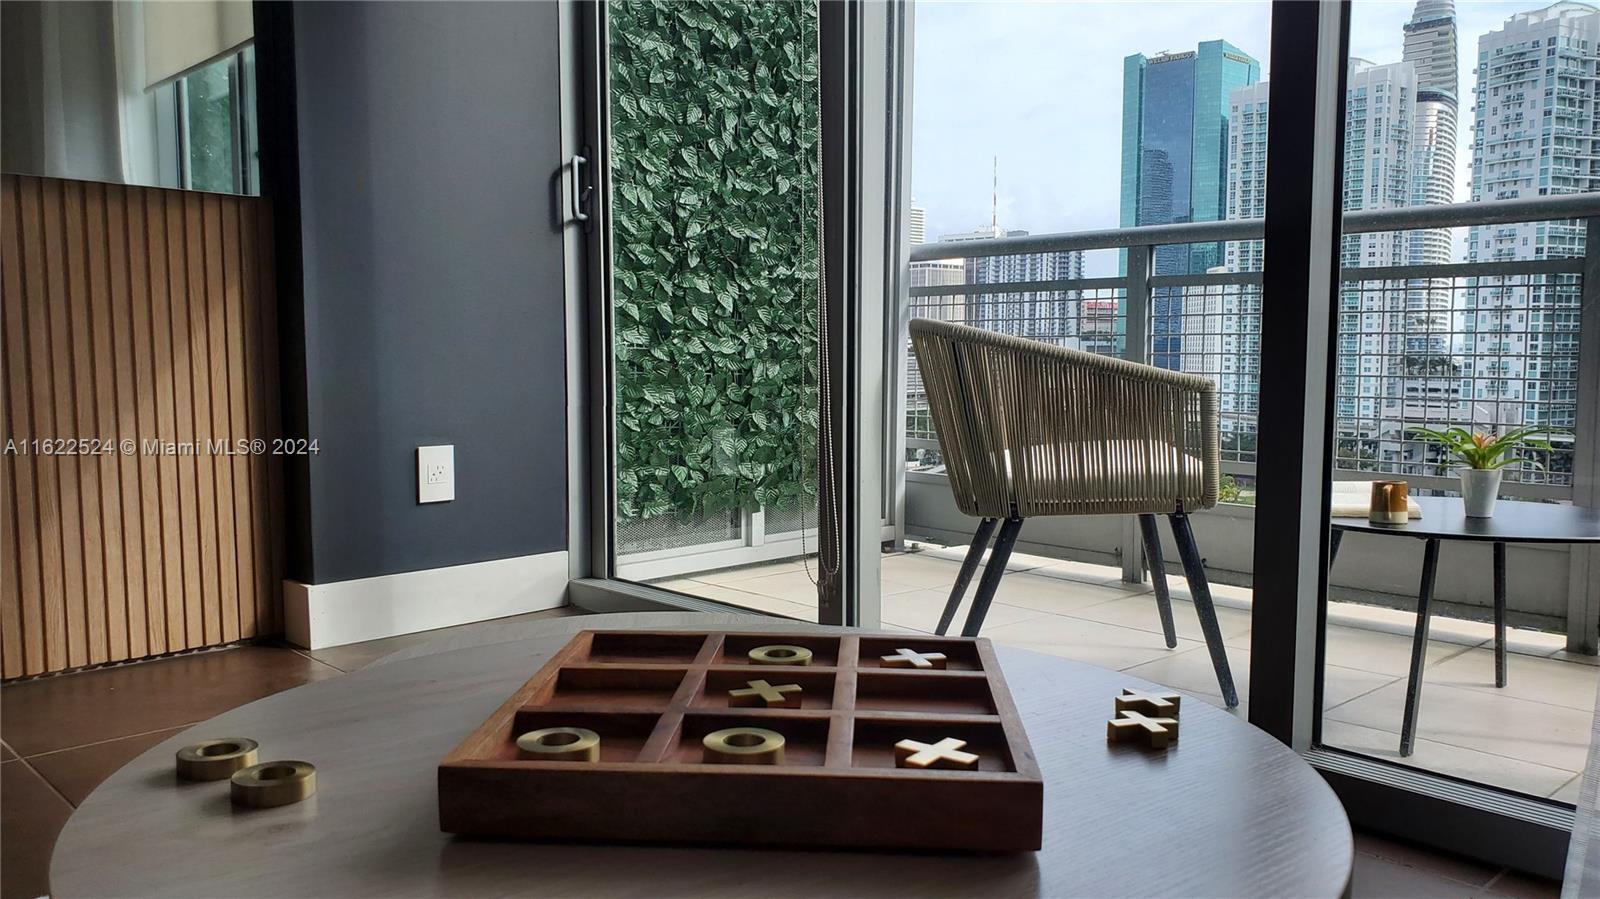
(828, 480)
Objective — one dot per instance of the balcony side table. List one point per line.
(1444, 519)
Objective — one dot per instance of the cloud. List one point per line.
(1039, 85)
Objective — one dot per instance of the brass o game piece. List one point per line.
(906, 658)
(944, 754)
(271, 784)
(762, 694)
(1162, 704)
(744, 746)
(780, 655)
(560, 744)
(1157, 733)
(216, 759)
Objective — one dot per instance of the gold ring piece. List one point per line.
(744, 746)
(780, 655)
(216, 759)
(560, 744)
(271, 784)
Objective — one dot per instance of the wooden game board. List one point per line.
(653, 696)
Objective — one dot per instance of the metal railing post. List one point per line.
(1136, 348)
(1583, 584)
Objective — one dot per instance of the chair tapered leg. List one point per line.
(1200, 591)
(1158, 577)
(991, 575)
(980, 542)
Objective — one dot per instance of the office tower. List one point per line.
(1430, 47)
(1174, 163)
(1039, 315)
(1536, 134)
(917, 226)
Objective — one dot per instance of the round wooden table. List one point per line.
(1445, 518)
(1227, 812)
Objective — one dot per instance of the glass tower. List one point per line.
(1175, 163)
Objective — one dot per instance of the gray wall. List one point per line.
(432, 288)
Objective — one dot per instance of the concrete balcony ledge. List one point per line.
(1373, 571)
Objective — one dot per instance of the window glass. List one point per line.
(211, 127)
(714, 167)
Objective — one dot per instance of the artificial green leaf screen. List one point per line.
(714, 217)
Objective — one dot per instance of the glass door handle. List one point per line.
(578, 191)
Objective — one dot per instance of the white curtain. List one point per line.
(59, 109)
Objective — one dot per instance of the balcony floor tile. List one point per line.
(1048, 594)
(920, 610)
(750, 572)
(1105, 645)
(1350, 647)
(1511, 773)
(1527, 677)
(920, 571)
(1190, 671)
(1569, 790)
(734, 595)
(798, 586)
(1089, 573)
(1140, 612)
(1549, 735)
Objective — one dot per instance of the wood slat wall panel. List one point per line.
(134, 314)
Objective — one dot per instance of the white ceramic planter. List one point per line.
(1479, 489)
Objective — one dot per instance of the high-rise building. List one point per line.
(1174, 163)
(917, 225)
(1380, 113)
(939, 273)
(1430, 47)
(1537, 132)
(943, 307)
(1039, 315)
(1222, 341)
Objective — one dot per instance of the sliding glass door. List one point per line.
(1469, 195)
(713, 160)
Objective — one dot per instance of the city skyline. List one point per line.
(971, 104)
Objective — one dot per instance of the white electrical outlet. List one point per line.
(436, 473)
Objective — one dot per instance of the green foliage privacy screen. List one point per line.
(714, 168)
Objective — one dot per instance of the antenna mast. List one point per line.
(994, 200)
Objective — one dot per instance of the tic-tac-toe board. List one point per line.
(654, 697)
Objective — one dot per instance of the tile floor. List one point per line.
(1531, 736)
(60, 736)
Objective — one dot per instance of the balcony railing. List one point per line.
(1488, 345)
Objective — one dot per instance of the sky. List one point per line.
(1039, 85)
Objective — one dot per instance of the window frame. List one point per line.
(1287, 650)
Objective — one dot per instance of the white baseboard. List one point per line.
(316, 616)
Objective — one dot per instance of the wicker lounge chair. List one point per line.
(1029, 429)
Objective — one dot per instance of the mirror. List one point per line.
(158, 93)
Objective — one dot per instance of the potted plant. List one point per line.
(1483, 457)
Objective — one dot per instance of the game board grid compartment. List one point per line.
(654, 695)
